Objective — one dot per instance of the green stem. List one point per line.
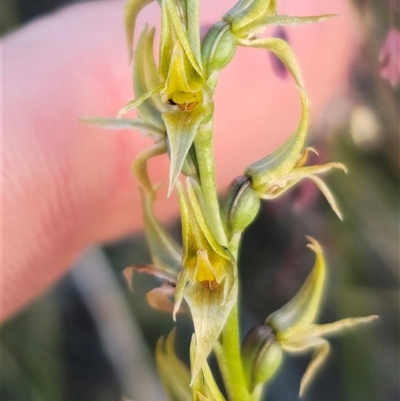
(205, 161)
(229, 360)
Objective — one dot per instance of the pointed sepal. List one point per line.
(283, 159)
(174, 374)
(303, 308)
(210, 308)
(165, 252)
(182, 127)
(146, 78)
(132, 9)
(204, 386)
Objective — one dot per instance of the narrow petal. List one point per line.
(168, 40)
(138, 101)
(282, 160)
(280, 185)
(321, 347)
(145, 78)
(211, 386)
(204, 386)
(267, 20)
(173, 372)
(160, 298)
(125, 123)
(304, 156)
(319, 330)
(165, 251)
(149, 269)
(181, 283)
(302, 309)
(140, 166)
(132, 9)
(328, 195)
(320, 354)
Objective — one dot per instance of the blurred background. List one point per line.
(89, 339)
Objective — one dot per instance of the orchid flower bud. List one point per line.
(261, 356)
(217, 50)
(241, 206)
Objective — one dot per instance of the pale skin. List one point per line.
(66, 185)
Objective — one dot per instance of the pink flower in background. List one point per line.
(389, 57)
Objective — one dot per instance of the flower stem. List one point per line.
(205, 161)
(229, 360)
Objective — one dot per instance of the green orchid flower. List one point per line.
(179, 89)
(274, 174)
(208, 281)
(292, 329)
